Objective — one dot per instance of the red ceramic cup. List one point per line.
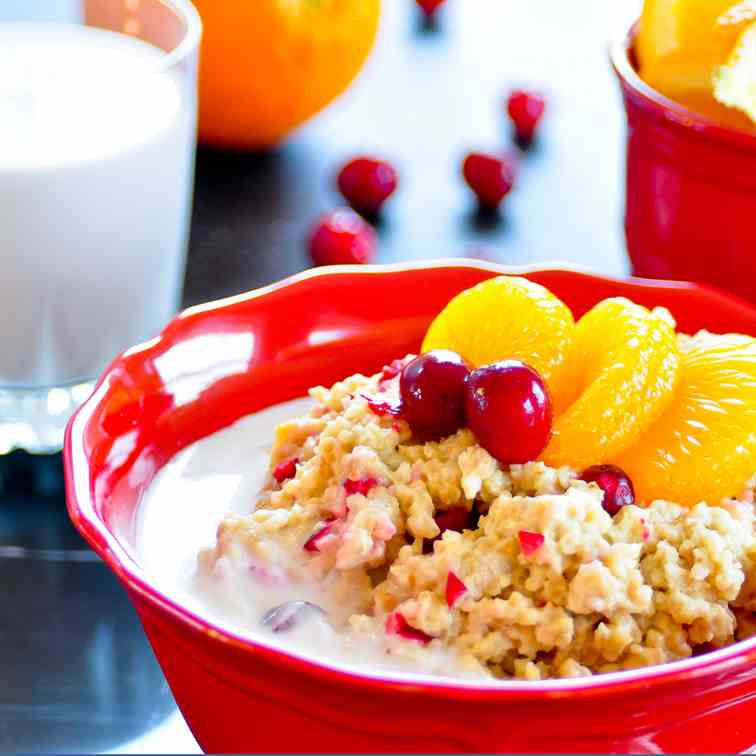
(218, 362)
(691, 188)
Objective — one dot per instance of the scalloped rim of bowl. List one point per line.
(86, 519)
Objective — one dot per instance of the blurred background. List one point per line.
(78, 673)
(425, 98)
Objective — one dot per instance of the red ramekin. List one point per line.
(243, 696)
(690, 189)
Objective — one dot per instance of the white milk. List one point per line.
(96, 165)
(179, 516)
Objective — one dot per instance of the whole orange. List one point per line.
(268, 65)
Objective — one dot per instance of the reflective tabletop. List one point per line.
(78, 673)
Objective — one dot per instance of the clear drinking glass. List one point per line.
(98, 106)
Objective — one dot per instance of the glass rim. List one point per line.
(190, 17)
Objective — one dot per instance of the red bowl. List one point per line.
(244, 696)
(690, 188)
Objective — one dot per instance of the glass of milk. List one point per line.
(98, 102)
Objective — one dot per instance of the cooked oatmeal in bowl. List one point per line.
(432, 517)
(518, 570)
(179, 437)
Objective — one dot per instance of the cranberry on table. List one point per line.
(490, 177)
(429, 7)
(615, 483)
(526, 110)
(366, 183)
(508, 409)
(342, 238)
(432, 387)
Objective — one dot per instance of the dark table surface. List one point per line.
(78, 674)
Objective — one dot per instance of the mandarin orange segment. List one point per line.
(735, 81)
(682, 43)
(508, 317)
(703, 448)
(623, 369)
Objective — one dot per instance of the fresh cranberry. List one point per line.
(530, 542)
(525, 109)
(362, 486)
(509, 410)
(366, 184)
(286, 469)
(455, 589)
(314, 542)
(429, 7)
(382, 407)
(615, 483)
(432, 388)
(457, 519)
(397, 625)
(288, 615)
(490, 177)
(342, 238)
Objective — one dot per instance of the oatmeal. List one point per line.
(530, 497)
(440, 554)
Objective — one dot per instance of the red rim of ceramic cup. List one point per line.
(663, 108)
(86, 519)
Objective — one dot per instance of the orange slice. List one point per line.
(682, 43)
(735, 81)
(623, 368)
(507, 317)
(703, 448)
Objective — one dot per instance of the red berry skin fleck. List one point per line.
(491, 178)
(429, 7)
(455, 589)
(432, 387)
(381, 407)
(286, 469)
(313, 543)
(362, 486)
(342, 238)
(530, 542)
(397, 625)
(526, 110)
(509, 410)
(392, 370)
(366, 183)
(615, 483)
